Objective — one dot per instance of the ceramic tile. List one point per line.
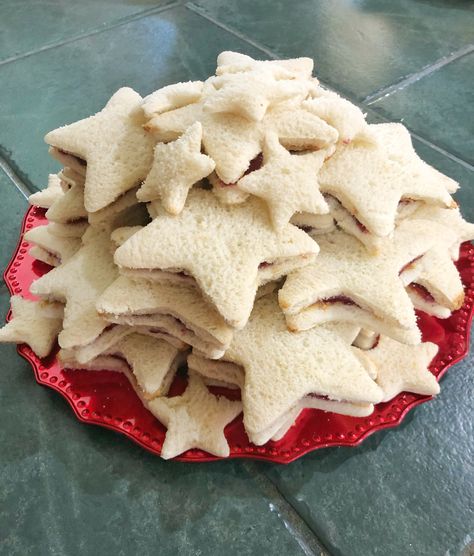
(27, 26)
(438, 107)
(64, 84)
(359, 47)
(405, 492)
(70, 488)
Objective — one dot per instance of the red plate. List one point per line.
(106, 398)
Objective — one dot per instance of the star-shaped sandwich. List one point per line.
(287, 182)
(402, 368)
(79, 282)
(36, 323)
(227, 251)
(195, 419)
(298, 129)
(433, 281)
(230, 140)
(282, 368)
(177, 166)
(346, 283)
(153, 363)
(340, 114)
(113, 166)
(50, 248)
(370, 182)
(235, 62)
(171, 97)
(69, 208)
(46, 197)
(251, 93)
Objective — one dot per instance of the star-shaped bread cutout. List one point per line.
(340, 114)
(36, 323)
(52, 249)
(370, 182)
(230, 140)
(177, 166)
(171, 97)
(433, 281)
(282, 367)
(233, 142)
(113, 166)
(196, 419)
(79, 282)
(298, 129)
(221, 247)
(346, 283)
(287, 182)
(46, 197)
(69, 208)
(250, 94)
(235, 62)
(402, 368)
(153, 362)
(397, 141)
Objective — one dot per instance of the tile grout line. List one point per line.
(14, 178)
(294, 523)
(92, 32)
(414, 77)
(197, 10)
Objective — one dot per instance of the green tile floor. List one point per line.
(69, 489)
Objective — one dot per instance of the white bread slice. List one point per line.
(404, 368)
(171, 97)
(110, 336)
(196, 419)
(279, 429)
(286, 182)
(67, 360)
(68, 160)
(79, 282)
(424, 301)
(190, 317)
(230, 140)
(36, 323)
(347, 283)
(113, 167)
(314, 224)
(397, 141)
(73, 230)
(69, 208)
(46, 197)
(58, 248)
(216, 373)
(235, 62)
(250, 94)
(281, 367)
(45, 256)
(369, 182)
(153, 363)
(340, 114)
(298, 129)
(176, 167)
(221, 247)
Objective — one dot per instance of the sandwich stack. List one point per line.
(253, 231)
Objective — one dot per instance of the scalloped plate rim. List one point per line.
(283, 457)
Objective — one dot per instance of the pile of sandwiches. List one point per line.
(254, 230)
